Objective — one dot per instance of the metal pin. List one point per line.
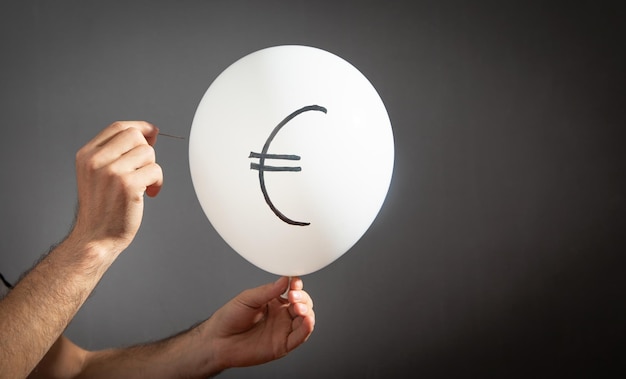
(170, 135)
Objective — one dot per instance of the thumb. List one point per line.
(257, 297)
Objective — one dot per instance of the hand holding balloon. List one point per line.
(258, 326)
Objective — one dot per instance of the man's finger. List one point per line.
(301, 330)
(134, 159)
(157, 181)
(118, 147)
(257, 297)
(149, 178)
(148, 130)
(296, 283)
(301, 303)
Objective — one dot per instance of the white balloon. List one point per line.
(291, 155)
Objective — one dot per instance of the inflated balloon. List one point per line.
(291, 154)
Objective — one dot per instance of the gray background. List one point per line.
(499, 251)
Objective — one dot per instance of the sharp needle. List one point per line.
(170, 135)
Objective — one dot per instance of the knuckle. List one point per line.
(91, 164)
(127, 183)
(110, 171)
(136, 135)
(86, 160)
(158, 171)
(124, 184)
(117, 126)
(80, 155)
(148, 151)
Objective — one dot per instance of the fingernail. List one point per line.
(297, 295)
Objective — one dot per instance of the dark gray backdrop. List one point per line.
(499, 251)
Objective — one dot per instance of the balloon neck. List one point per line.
(285, 294)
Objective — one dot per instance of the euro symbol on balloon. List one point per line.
(262, 167)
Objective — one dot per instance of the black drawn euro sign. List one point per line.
(262, 167)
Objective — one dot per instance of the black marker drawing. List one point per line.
(261, 167)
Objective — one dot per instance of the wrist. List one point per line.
(209, 361)
(90, 254)
(100, 238)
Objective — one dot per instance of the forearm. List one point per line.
(35, 313)
(187, 355)
(64, 360)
